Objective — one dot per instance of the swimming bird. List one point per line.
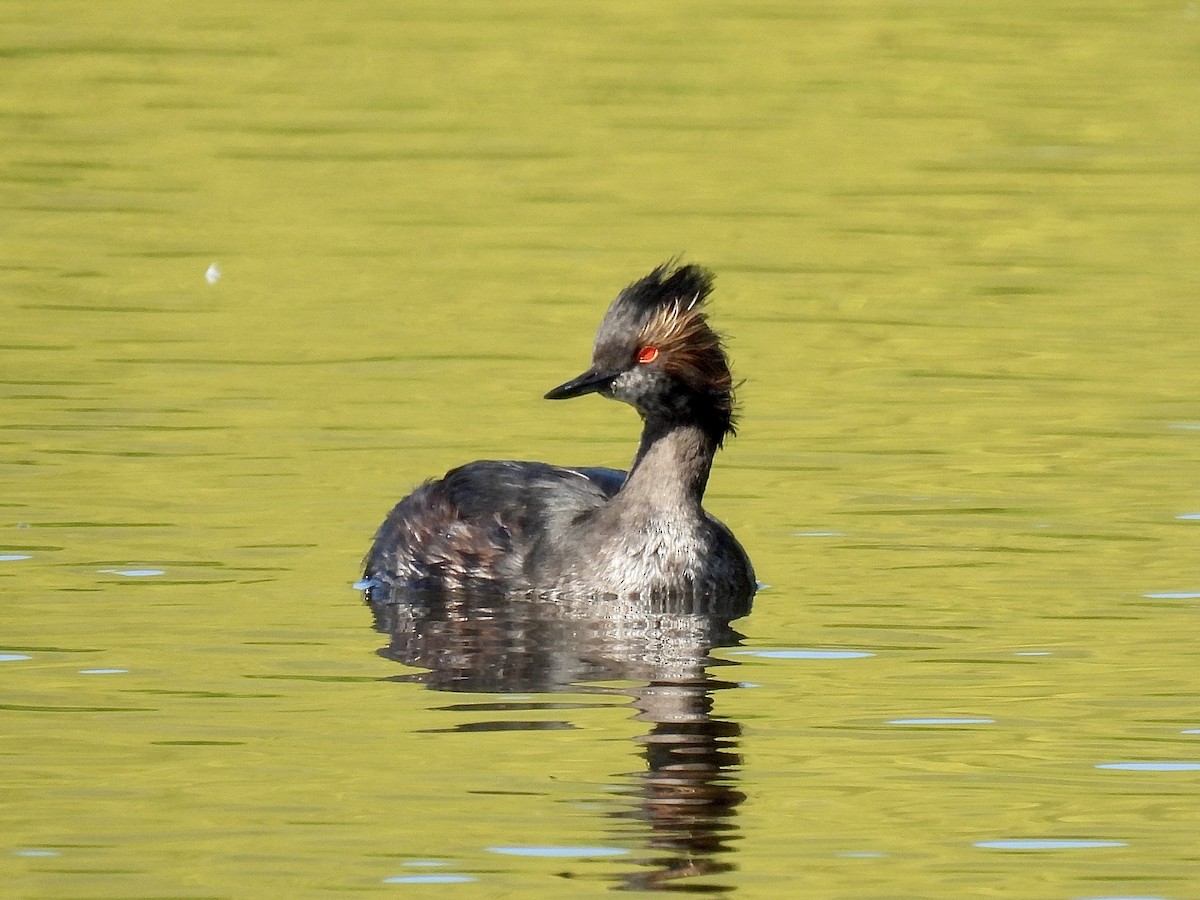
(536, 529)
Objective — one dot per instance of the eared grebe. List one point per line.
(534, 528)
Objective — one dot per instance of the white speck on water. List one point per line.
(212, 274)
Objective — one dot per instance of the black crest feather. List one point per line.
(689, 285)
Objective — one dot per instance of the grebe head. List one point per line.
(656, 351)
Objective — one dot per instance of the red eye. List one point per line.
(647, 354)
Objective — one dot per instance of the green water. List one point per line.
(956, 250)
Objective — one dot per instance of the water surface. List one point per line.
(265, 271)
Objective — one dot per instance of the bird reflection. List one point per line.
(684, 802)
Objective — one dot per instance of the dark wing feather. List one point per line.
(474, 528)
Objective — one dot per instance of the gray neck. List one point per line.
(671, 467)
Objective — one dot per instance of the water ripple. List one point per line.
(803, 654)
(1045, 844)
(1151, 766)
(558, 852)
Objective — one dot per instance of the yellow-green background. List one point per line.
(956, 248)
